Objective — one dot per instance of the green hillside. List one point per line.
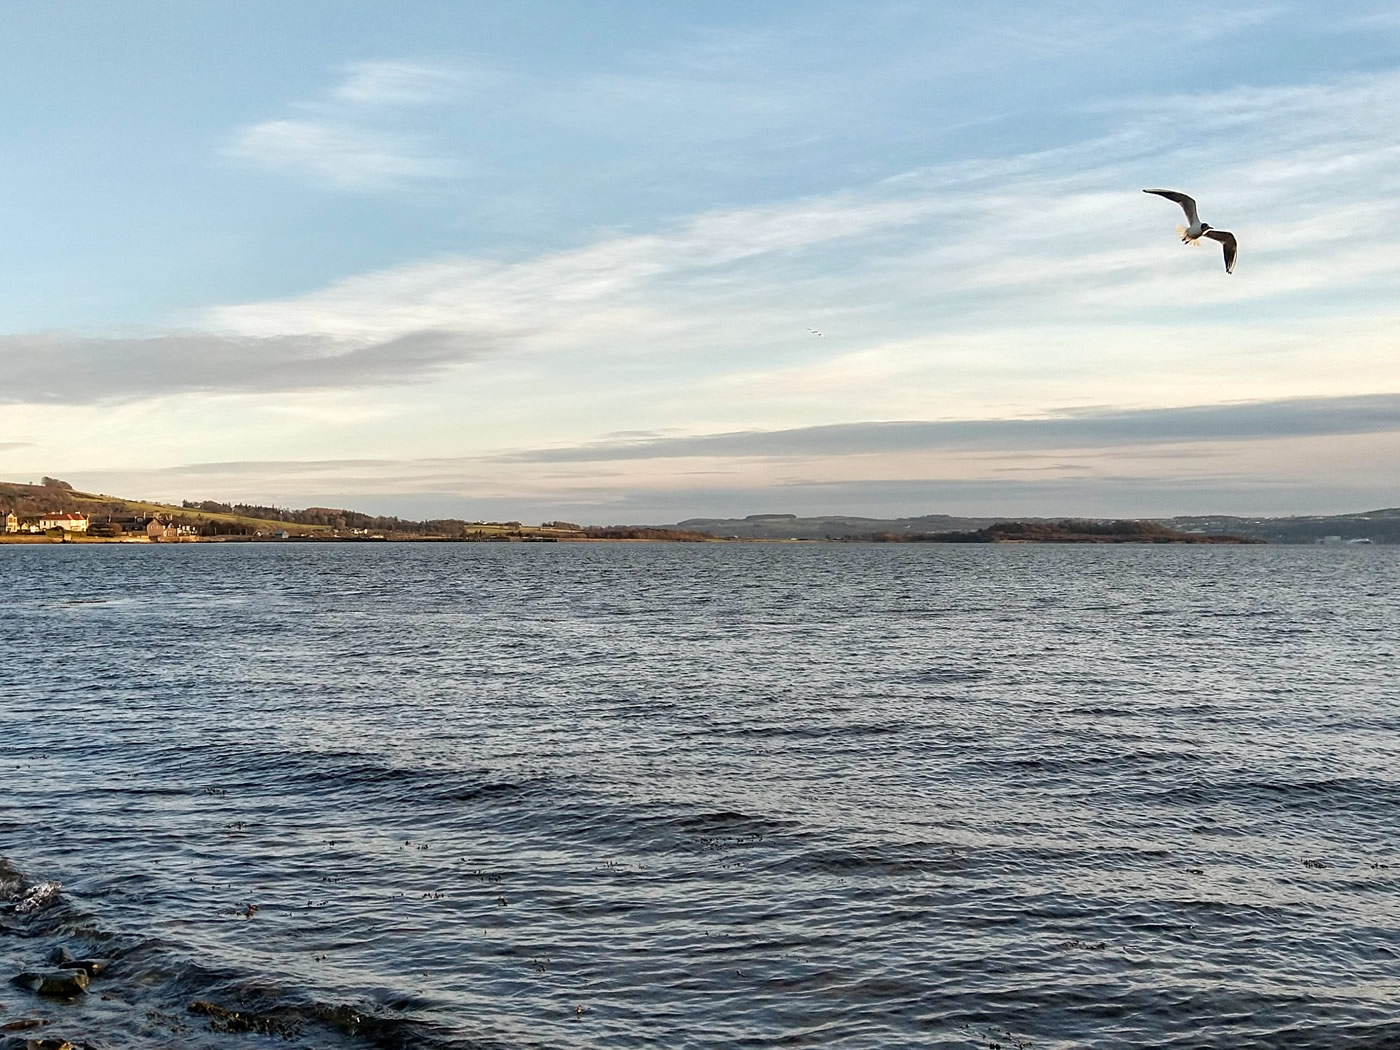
(32, 501)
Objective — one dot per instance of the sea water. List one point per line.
(718, 795)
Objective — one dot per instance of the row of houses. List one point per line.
(155, 528)
(53, 520)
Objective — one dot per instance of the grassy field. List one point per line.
(30, 502)
(184, 514)
(36, 499)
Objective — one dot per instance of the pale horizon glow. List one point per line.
(548, 261)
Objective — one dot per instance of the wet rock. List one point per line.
(59, 983)
(352, 1022)
(60, 957)
(23, 1024)
(92, 967)
(222, 1019)
(49, 1044)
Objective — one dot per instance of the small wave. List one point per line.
(814, 732)
(23, 897)
(729, 822)
(871, 861)
(37, 898)
(1328, 793)
(11, 879)
(949, 675)
(496, 789)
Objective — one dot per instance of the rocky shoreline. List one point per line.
(62, 977)
(77, 987)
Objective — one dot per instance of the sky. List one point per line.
(628, 262)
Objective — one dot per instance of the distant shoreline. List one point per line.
(111, 519)
(935, 538)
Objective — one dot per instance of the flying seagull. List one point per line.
(1192, 233)
(814, 331)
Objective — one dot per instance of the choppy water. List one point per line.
(503, 796)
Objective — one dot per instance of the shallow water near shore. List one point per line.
(627, 795)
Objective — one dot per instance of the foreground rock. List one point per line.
(65, 960)
(23, 1024)
(58, 983)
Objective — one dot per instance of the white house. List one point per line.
(12, 522)
(65, 521)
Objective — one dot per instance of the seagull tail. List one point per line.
(1181, 232)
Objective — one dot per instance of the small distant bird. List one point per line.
(1196, 229)
(814, 331)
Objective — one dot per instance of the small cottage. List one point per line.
(162, 531)
(12, 522)
(64, 520)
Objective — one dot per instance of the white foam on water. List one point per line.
(38, 897)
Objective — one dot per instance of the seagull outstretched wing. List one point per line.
(1227, 239)
(1188, 205)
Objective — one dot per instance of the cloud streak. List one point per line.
(64, 369)
(339, 155)
(390, 83)
(1082, 428)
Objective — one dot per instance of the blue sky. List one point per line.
(546, 260)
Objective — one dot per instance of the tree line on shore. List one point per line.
(330, 517)
(1067, 531)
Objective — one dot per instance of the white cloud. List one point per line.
(387, 83)
(1209, 24)
(341, 155)
(564, 293)
(339, 139)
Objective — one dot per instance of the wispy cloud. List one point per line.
(54, 368)
(342, 140)
(338, 155)
(1078, 429)
(390, 83)
(1210, 24)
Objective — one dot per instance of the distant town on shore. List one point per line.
(54, 511)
